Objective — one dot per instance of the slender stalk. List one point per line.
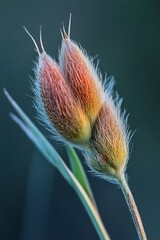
(132, 207)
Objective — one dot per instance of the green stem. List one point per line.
(132, 207)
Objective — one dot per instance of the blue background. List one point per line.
(35, 202)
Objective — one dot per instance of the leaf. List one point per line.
(78, 171)
(53, 157)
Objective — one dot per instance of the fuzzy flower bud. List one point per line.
(110, 140)
(82, 77)
(58, 104)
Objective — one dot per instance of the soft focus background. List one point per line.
(35, 202)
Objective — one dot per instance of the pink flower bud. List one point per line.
(58, 104)
(82, 77)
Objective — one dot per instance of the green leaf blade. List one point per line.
(79, 172)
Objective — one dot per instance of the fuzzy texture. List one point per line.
(110, 138)
(65, 115)
(82, 77)
(78, 108)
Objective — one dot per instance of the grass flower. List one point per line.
(78, 108)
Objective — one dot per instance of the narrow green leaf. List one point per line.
(53, 157)
(78, 171)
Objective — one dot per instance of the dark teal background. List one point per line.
(35, 202)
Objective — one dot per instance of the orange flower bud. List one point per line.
(64, 114)
(82, 77)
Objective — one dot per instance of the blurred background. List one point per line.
(35, 201)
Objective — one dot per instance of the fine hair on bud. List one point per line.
(110, 139)
(82, 77)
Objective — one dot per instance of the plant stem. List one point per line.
(132, 207)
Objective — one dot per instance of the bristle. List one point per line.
(40, 38)
(35, 44)
(69, 25)
(65, 36)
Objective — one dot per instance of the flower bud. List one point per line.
(58, 104)
(110, 140)
(82, 77)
